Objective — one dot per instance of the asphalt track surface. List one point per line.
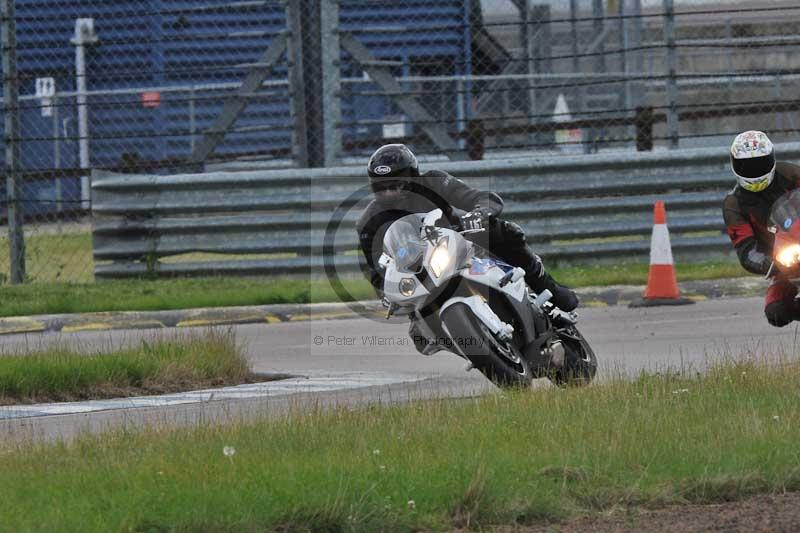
(359, 350)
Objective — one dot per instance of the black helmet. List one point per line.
(390, 162)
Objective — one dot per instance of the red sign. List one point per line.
(151, 99)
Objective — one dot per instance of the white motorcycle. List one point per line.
(465, 301)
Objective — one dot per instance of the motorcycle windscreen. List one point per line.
(403, 244)
(786, 213)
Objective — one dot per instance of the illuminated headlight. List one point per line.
(789, 256)
(408, 286)
(440, 258)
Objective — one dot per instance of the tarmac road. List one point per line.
(625, 340)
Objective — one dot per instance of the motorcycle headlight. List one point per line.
(440, 258)
(789, 255)
(408, 286)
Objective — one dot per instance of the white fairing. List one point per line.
(516, 288)
(463, 264)
(391, 286)
(384, 261)
(432, 217)
(481, 310)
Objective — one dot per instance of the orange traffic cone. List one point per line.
(662, 285)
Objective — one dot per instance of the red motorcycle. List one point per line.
(784, 222)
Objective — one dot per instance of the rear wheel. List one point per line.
(580, 362)
(497, 359)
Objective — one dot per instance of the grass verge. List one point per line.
(54, 257)
(182, 361)
(518, 458)
(143, 295)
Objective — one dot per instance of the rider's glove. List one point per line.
(477, 219)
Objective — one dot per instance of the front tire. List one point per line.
(580, 362)
(500, 361)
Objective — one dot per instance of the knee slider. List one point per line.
(778, 314)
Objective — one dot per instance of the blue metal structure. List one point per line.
(424, 39)
(168, 46)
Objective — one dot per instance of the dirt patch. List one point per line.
(106, 392)
(769, 513)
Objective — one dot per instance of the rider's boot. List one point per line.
(563, 297)
(783, 312)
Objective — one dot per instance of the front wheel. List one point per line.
(580, 362)
(498, 360)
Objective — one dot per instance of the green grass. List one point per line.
(53, 258)
(144, 295)
(517, 458)
(180, 362)
(636, 273)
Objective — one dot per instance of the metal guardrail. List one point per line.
(576, 208)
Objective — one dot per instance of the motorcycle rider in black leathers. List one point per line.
(400, 190)
(761, 181)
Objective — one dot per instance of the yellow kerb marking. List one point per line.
(217, 322)
(321, 316)
(143, 324)
(195, 323)
(20, 325)
(594, 303)
(87, 327)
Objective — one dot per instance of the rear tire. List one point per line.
(500, 361)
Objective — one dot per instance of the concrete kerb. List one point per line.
(217, 316)
(270, 314)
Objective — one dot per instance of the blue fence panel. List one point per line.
(423, 38)
(162, 45)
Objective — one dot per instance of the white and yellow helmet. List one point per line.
(753, 160)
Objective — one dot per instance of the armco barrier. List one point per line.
(578, 208)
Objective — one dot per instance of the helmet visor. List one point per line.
(753, 167)
(379, 186)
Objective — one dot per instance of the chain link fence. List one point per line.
(175, 86)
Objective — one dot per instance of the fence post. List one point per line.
(314, 25)
(16, 237)
(297, 100)
(625, 63)
(331, 81)
(636, 32)
(643, 123)
(192, 119)
(57, 161)
(729, 41)
(598, 16)
(310, 52)
(672, 88)
(544, 65)
(159, 76)
(84, 36)
(526, 32)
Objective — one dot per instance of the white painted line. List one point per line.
(312, 382)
